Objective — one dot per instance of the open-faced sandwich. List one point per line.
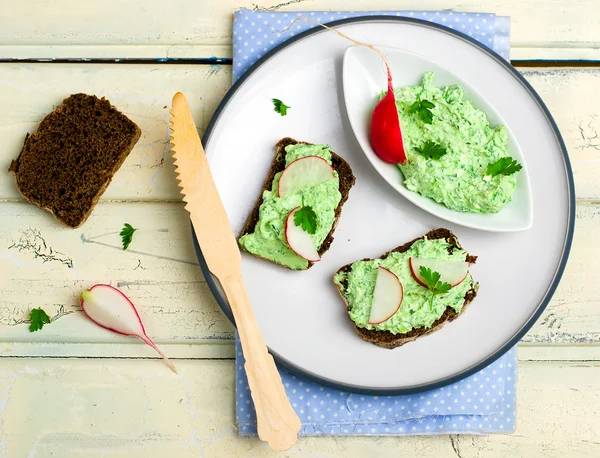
(410, 291)
(293, 221)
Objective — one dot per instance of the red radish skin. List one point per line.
(385, 133)
(99, 311)
(299, 241)
(453, 272)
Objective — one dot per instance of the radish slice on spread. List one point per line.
(453, 272)
(303, 173)
(109, 308)
(299, 241)
(387, 297)
(385, 133)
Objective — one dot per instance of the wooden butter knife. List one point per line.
(277, 423)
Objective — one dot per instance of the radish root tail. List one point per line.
(343, 35)
(149, 342)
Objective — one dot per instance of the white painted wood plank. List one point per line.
(71, 408)
(144, 93)
(189, 28)
(160, 274)
(534, 352)
(45, 265)
(573, 98)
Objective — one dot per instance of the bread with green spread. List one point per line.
(418, 315)
(263, 234)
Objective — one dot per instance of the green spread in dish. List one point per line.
(458, 179)
(268, 239)
(415, 311)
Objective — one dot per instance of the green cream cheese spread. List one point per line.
(416, 311)
(268, 239)
(458, 179)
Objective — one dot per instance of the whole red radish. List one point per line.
(385, 133)
(111, 309)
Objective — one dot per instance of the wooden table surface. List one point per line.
(75, 390)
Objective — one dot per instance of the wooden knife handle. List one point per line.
(277, 423)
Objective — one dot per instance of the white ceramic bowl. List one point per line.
(364, 78)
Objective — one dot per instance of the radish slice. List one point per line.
(299, 241)
(385, 133)
(303, 173)
(111, 309)
(387, 297)
(453, 272)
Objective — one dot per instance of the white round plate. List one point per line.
(301, 316)
(364, 78)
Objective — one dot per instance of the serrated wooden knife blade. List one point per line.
(277, 423)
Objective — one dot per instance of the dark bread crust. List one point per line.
(387, 339)
(67, 164)
(346, 177)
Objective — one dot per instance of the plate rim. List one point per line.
(214, 285)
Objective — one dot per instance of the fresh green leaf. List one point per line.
(38, 318)
(504, 166)
(326, 147)
(306, 218)
(127, 234)
(431, 150)
(432, 280)
(423, 109)
(280, 107)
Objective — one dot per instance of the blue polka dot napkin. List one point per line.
(257, 32)
(480, 404)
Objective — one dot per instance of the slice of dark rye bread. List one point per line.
(65, 166)
(346, 177)
(387, 339)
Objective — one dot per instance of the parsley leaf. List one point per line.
(38, 318)
(504, 166)
(423, 109)
(127, 234)
(431, 150)
(306, 218)
(432, 279)
(280, 107)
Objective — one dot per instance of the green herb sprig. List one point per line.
(504, 166)
(432, 280)
(38, 318)
(423, 109)
(306, 218)
(127, 234)
(280, 107)
(431, 150)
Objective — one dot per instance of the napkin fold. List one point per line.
(480, 404)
